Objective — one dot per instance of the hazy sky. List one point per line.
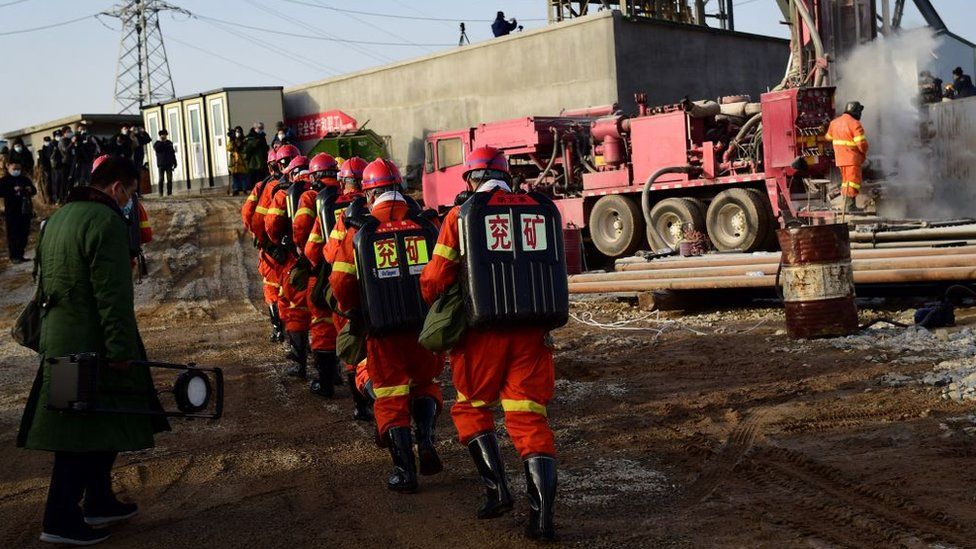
(71, 69)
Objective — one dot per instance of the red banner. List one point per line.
(317, 126)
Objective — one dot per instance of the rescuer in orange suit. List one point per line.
(251, 203)
(350, 177)
(323, 172)
(513, 366)
(850, 150)
(402, 372)
(278, 223)
(267, 267)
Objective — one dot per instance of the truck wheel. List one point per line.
(738, 220)
(667, 218)
(771, 244)
(616, 226)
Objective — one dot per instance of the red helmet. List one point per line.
(297, 162)
(486, 158)
(287, 152)
(323, 162)
(272, 156)
(381, 173)
(98, 162)
(352, 168)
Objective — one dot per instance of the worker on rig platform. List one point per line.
(850, 150)
(375, 280)
(499, 361)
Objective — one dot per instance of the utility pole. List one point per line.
(142, 74)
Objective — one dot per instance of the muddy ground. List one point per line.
(710, 429)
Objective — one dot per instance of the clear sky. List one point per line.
(71, 69)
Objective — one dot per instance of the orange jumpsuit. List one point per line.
(256, 225)
(398, 366)
(321, 329)
(145, 230)
(513, 366)
(293, 302)
(850, 150)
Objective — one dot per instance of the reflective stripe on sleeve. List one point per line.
(337, 235)
(275, 211)
(261, 210)
(524, 406)
(395, 391)
(272, 284)
(859, 138)
(844, 143)
(315, 238)
(143, 224)
(305, 211)
(446, 252)
(252, 198)
(343, 267)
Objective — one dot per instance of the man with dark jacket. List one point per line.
(141, 138)
(501, 27)
(22, 156)
(256, 154)
(165, 162)
(61, 162)
(84, 149)
(962, 84)
(16, 189)
(83, 257)
(122, 144)
(44, 161)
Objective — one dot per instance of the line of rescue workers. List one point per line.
(353, 268)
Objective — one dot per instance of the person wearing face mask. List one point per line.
(85, 148)
(236, 162)
(283, 136)
(83, 260)
(22, 156)
(17, 190)
(122, 144)
(64, 156)
(255, 152)
(140, 138)
(44, 162)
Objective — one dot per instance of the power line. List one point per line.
(51, 26)
(314, 37)
(377, 27)
(12, 3)
(392, 16)
(308, 61)
(229, 60)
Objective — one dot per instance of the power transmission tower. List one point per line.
(142, 75)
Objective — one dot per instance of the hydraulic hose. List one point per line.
(552, 158)
(646, 193)
(743, 131)
(818, 48)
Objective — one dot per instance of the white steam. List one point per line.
(883, 75)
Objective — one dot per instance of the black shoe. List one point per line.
(488, 459)
(79, 534)
(325, 365)
(540, 484)
(404, 476)
(111, 513)
(298, 353)
(364, 404)
(277, 329)
(424, 418)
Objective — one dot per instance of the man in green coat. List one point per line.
(84, 270)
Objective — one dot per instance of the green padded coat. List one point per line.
(85, 270)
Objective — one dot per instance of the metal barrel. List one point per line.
(573, 239)
(818, 281)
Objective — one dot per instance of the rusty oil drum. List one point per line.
(818, 281)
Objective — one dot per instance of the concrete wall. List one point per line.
(534, 72)
(583, 62)
(953, 148)
(670, 61)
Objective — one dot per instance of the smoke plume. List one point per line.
(883, 75)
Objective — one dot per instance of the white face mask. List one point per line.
(281, 135)
(15, 173)
(69, 135)
(18, 148)
(125, 132)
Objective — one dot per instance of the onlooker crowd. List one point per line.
(931, 89)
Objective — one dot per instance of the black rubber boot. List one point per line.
(404, 475)
(364, 404)
(540, 484)
(488, 459)
(277, 329)
(337, 374)
(424, 418)
(325, 364)
(298, 341)
(850, 206)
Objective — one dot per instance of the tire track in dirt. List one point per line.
(739, 442)
(821, 421)
(868, 515)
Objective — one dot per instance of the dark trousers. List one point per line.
(168, 174)
(240, 182)
(18, 227)
(77, 474)
(56, 193)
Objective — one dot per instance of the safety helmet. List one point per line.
(272, 156)
(297, 162)
(323, 162)
(352, 168)
(98, 162)
(381, 173)
(854, 108)
(488, 159)
(286, 153)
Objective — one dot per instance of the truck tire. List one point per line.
(667, 218)
(616, 226)
(738, 220)
(771, 244)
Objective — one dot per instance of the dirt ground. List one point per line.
(703, 430)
